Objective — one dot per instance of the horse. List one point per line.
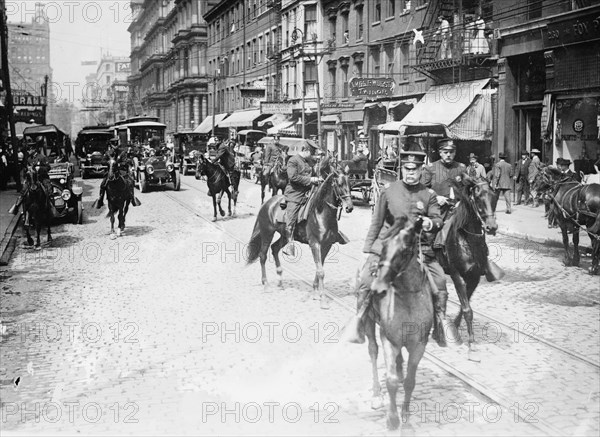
(573, 206)
(36, 207)
(218, 183)
(465, 254)
(118, 196)
(403, 309)
(319, 230)
(277, 179)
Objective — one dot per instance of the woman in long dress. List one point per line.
(480, 43)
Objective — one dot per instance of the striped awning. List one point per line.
(282, 127)
(241, 119)
(274, 119)
(475, 123)
(206, 125)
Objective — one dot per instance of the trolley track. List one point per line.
(485, 391)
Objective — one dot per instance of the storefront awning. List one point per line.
(332, 118)
(391, 126)
(475, 123)
(274, 120)
(278, 128)
(206, 125)
(241, 119)
(444, 103)
(352, 116)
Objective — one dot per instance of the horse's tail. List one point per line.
(253, 249)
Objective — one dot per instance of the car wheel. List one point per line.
(143, 183)
(176, 181)
(78, 214)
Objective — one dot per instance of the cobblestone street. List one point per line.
(167, 330)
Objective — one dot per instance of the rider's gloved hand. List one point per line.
(427, 224)
(441, 200)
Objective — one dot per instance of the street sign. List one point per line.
(28, 100)
(371, 86)
(276, 108)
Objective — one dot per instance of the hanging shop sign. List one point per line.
(371, 86)
(29, 100)
(25, 115)
(252, 93)
(336, 105)
(276, 108)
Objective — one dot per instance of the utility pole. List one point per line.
(45, 94)
(9, 99)
(214, 102)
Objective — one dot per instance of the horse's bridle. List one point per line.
(477, 213)
(340, 197)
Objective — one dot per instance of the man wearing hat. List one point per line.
(124, 164)
(501, 179)
(568, 174)
(407, 197)
(521, 177)
(272, 152)
(439, 173)
(475, 169)
(300, 181)
(534, 168)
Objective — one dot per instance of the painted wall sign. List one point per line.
(371, 86)
(572, 31)
(276, 108)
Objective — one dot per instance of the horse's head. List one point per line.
(201, 165)
(544, 180)
(113, 171)
(477, 192)
(341, 188)
(398, 249)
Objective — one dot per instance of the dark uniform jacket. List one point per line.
(225, 156)
(272, 152)
(39, 159)
(299, 173)
(438, 175)
(397, 200)
(122, 158)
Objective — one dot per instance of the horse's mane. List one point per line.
(462, 216)
(322, 190)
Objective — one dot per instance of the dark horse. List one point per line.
(36, 208)
(319, 230)
(276, 180)
(466, 251)
(404, 312)
(118, 196)
(573, 206)
(217, 182)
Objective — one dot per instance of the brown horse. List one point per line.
(319, 230)
(573, 206)
(36, 207)
(119, 190)
(403, 309)
(218, 183)
(466, 251)
(276, 180)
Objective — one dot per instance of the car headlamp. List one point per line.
(66, 195)
(170, 167)
(149, 169)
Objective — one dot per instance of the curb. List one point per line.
(6, 248)
(545, 241)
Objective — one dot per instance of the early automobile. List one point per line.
(91, 146)
(65, 199)
(188, 146)
(157, 168)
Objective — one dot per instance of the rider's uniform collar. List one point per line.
(448, 164)
(414, 187)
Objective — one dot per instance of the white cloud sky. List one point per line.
(79, 31)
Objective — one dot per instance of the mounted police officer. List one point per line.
(272, 152)
(407, 197)
(39, 162)
(225, 158)
(301, 179)
(124, 165)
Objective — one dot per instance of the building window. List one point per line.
(332, 28)
(405, 51)
(377, 14)
(310, 72)
(389, 54)
(375, 58)
(107, 67)
(107, 80)
(310, 22)
(346, 32)
(391, 9)
(333, 84)
(534, 9)
(345, 82)
(359, 21)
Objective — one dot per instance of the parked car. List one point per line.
(157, 168)
(65, 199)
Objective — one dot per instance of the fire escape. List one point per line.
(274, 52)
(451, 56)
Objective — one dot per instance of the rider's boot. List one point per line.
(443, 329)
(14, 210)
(99, 203)
(290, 249)
(493, 272)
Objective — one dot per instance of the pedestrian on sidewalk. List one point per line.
(521, 177)
(501, 180)
(534, 168)
(475, 169)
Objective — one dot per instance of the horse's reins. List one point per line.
(340, 198)
(568, 216)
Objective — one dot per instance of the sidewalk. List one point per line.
(529, 223)
(8, 223)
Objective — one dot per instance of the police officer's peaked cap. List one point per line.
(416, 158)
(446, 144)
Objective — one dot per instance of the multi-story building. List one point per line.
(29, 59)
(242, 59)
(549, 79)
(168, 61)
(107, 90)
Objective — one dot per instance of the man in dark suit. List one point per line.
(521, 177)
(299, 170)
(501, 180)
(568, 174)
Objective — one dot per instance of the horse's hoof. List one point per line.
(575, 263)
(593, 270)
(376, 402)
(393, 422)
(267, 288)
(113, 236)
(38, 247)
(222, 213)
(214, 219)
(229, 214)
(473, 354)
